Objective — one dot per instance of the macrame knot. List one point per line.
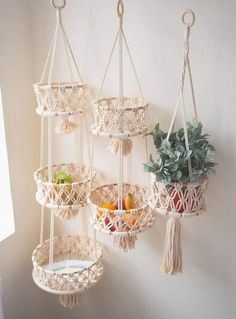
(114, 146)
(124, 243)
(65, 126)
(172, 262)
(70, 301)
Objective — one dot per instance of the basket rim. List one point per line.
(142, 105)
(64, 292)
(203, 181)
(117, 212)
(35, 264)
(37, 172)
(56, 85)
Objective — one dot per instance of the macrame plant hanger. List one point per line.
(178, 200)
(68, 265)
(120, 118)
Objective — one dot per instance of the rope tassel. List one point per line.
(172, 262)
(70, 301)
(65, 126)
(124, 244)
(114, 146)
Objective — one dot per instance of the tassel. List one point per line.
(65, 126)
(114, 146)
(70, 301)
(172, 262)
(66, 214)
(124, 244)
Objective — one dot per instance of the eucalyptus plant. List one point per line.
(171, 163)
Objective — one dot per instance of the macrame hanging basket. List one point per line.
(112, 121)
(76, 267)
(65, 199)
(124, 225)
(120, 118)
(179, 200)
(61, 99)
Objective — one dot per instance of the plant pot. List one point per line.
(178, 199)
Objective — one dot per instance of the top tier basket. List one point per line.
(122, 116)
(60, 98)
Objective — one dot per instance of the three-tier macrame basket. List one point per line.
(120, 118)
(68, 265)
(178, 200)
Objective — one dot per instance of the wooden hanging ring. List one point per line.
(120, 8)
(191, 14)
(57, 6)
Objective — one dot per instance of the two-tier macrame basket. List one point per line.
(120, 118)
(178, 200)
(68, 265)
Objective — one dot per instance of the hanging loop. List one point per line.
(191, 15)
(57, 6)
(120, 9)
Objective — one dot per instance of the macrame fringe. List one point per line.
(124, 244)
(172, 262)
(66, 214)
(65, 126)
(114, 146)
(70, 301)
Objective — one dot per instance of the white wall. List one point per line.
(132, 286)
(21, 299)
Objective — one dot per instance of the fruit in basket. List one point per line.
(132, 220)
(63, 178)
(129, 202)
(108, 215)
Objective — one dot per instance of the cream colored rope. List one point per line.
(180, 99)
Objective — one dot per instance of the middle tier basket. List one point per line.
(120, 209)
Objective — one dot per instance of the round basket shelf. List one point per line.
(177, 199)
(74, 269)
(60, 99)
(112, 120)
(121, 222)
(64, 197)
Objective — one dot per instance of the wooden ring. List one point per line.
(120, 8)
(192, 15)
(58, 6)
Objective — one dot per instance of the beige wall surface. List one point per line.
(132, 286)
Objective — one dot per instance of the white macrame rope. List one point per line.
(108, 64)
(52, 49)
(41, 165)
(180, 99)
(120, 34)
(133, 66)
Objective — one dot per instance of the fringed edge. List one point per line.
(65, 126)
(115, 146)
(66, 214)
(172, 262)
(70, 301)
(124, 243)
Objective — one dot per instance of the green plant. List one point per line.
(171, 164)
(63, 178)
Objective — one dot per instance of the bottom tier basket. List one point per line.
(178, 199)
(123, 224)
(76, 267)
